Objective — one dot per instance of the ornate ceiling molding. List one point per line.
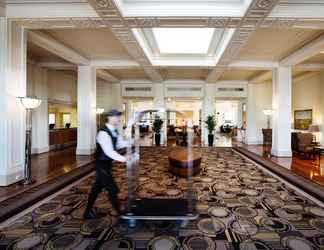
(108, 10)
(255, 15)
(219, 22)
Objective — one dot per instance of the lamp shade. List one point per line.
(99, 111)
(267, 112)
(30, 102)
(314, 128)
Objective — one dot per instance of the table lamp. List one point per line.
(314, 128)
(29, 103)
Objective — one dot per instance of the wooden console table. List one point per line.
(60, 138)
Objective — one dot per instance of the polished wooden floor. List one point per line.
(310, 169)
(48, 166)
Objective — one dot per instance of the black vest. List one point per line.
(101, 156)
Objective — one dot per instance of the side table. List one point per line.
(318, 151)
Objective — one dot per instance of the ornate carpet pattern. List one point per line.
(240, 206)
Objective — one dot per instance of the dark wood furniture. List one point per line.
(267, 141)
(179, 163)
(61, 138)
(305, 145)
(318, 151)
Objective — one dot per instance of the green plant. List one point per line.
(157, 125)
(210, 123)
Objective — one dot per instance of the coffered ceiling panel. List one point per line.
(41, 55)
(274, 44)
(178, 74)
(124, 74)
(236, 74)
(92, 43)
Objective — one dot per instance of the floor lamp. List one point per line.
(29, 104)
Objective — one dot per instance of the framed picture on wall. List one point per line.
(303, 119)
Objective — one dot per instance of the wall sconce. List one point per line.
(29, 103)
(268, 113)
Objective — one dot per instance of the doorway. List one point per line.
(230, 120)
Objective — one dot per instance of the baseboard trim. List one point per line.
(85, 151)
(40, 150)
(281, 153)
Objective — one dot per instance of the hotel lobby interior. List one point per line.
(222, 109)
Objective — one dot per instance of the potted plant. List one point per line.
(210, 125)
(157, 125)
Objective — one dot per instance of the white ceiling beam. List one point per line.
(50, 10)
(299, 9)
(50, 44)
(309, 50)
(305, 76)
(262, 77)
(115, 64)
(57, 65)
(254, 64)
(232, 82)
(310, 67)
(105, 75)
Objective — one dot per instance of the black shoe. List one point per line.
(88, 215)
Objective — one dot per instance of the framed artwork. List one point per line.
(303, 119)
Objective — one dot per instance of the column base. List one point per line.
(85, 151)
(6, 180)
(281, 153)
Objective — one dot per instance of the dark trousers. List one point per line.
(104, 180)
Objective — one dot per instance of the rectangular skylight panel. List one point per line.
(183, 40)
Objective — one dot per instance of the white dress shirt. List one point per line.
(106, 144)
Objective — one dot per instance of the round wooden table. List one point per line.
(179, 163)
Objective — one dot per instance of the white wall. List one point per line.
(261, 99)
(104, 95)
(309, 94)
(62, 87)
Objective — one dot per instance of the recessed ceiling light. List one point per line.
(183, 40)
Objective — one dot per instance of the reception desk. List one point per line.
(60, 138)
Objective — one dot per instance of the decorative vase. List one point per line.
(157, 139)
(210, 140)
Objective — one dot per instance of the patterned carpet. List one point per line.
(240, 207)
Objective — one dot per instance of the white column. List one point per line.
(129, 110)
(322, 111)
(37, 77)
(12, 84)
(159, 96)
(239, 119)
(251, 110)
(208, 109)
(86, 110)
(281, 104)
